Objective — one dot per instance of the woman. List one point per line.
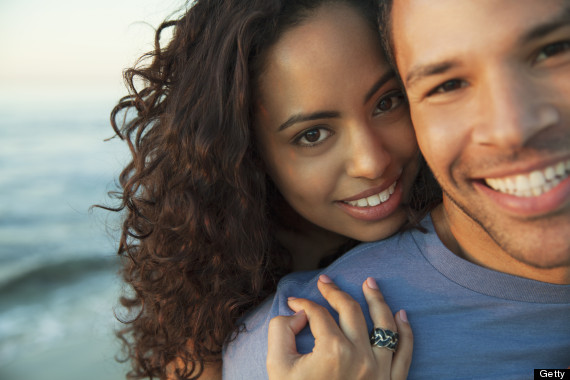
(242, 172)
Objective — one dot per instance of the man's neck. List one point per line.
(468, 240)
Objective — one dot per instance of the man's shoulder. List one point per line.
(401, 251)
(406, 246)
(244, 355)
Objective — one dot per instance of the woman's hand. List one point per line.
(341, 351)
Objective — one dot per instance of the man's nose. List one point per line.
(514, 108)
(366, 156)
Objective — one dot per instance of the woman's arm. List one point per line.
(341, 351)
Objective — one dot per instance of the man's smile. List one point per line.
(531, 184)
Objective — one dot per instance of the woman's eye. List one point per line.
(313, 136)
(389, 102)
(448, 86)
(551, 50)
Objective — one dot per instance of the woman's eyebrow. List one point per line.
(379, 83)
(297, 118)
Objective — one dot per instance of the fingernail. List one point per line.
(371, 283)
(291, 298)
(403, 315)
(326, 279)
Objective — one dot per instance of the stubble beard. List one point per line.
(512, 245)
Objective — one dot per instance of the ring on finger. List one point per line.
(384, 338)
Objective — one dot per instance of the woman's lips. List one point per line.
(375, 206)
(374, 199)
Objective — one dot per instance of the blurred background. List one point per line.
(60, 75)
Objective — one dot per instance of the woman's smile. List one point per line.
(375, 207)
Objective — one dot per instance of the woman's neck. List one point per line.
(309, 244)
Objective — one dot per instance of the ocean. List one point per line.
(58, 264)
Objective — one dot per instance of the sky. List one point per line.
(73, 50)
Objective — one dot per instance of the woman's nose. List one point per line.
(365, 153)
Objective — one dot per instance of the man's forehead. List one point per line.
(422, 18)
(430, 36)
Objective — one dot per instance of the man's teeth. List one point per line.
(374, 200)
(532, 184)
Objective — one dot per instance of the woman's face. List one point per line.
(333, 126)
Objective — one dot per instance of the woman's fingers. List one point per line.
(341, 350)
(323, 325)
(350, 317)
(403, 356)
(380, 312)
(381, 317)
(393, 365)
(330, 357)
(281, 347)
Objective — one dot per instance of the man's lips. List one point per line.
(533, 183)
(533, 193)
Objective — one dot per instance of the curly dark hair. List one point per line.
(197, 240)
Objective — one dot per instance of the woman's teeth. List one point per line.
(532, 184)
(374, 200)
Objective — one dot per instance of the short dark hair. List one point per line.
(385, 27)
(426, 193)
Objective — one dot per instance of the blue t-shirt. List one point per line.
(469, 322)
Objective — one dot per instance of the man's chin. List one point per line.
(535, 247)
(541, 243)
(552, 260)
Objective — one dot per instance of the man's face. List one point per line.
(489, 88)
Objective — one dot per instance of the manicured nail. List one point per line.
(326, 279)
(371, 283)
(403, 315)
(291, 298)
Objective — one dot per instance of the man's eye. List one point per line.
(389, 102)
(450, 85)
(551, 50)
(312, 137)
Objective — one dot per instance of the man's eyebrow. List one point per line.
(543, 29)
(421, 71)
(308, 117)
(390, 74)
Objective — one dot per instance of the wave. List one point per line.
(44, 275)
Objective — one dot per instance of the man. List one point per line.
(486, 289)
(489, 93)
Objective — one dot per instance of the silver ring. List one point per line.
(384, 338)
